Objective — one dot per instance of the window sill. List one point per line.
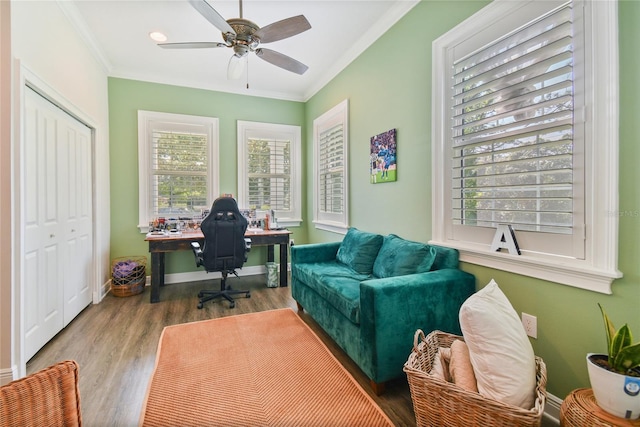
(332, 227)
(285, 223)
(566, 271)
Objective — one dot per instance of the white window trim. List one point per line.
(144, 160)
(600, 266)
(248, 130)
(339, 113)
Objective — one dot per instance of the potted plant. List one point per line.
(615, 376)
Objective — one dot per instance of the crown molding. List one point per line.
(388, 20)
(74, 16)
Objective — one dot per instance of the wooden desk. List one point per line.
(159, 245)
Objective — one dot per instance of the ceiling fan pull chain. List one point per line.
(247, 72)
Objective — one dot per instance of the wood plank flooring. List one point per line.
(115, 344)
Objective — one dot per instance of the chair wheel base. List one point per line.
(225, 292)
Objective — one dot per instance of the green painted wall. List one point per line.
(126, 97)
(389, 86)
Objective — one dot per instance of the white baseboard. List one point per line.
(8, 374)
(194, 276)
(552, 410)
(102, 292)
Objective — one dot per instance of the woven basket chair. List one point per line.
(45, 398)
(437, 402)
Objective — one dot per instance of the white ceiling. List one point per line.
(118, 32)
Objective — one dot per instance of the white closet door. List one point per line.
(75, 179)
(57, 220)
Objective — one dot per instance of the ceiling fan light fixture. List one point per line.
(236, 67)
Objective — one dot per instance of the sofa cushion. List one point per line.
(398, 257)
(336, 283)
(501, 353)
(359, 249)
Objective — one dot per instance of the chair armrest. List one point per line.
(197, 252)
(247, 248)
(315, 252)
(392, 309)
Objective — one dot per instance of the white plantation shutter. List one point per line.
(270, 173)
(330, 139)
(513, 137)
(525, 115)
(269, 169)
(331, 170)
(179, 166)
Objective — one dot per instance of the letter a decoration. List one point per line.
(505, 238)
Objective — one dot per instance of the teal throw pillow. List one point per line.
(359, 249)
(398, 257)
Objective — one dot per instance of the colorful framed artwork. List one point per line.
(382, 163)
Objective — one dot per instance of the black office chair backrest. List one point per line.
(223, 229)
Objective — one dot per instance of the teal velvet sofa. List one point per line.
(371, 293)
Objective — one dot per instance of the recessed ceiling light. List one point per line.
(157, 36)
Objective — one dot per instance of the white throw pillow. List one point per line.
(501, 354)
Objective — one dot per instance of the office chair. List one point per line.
(225, 247)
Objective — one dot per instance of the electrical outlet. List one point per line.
(530, 324)
(292, 242)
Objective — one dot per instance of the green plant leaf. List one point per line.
(610, 331)
(627, 358)
(621, 339)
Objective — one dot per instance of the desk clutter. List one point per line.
(257, 220)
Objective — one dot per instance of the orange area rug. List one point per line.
(258, 369)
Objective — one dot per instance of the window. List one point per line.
(177, 159)
(330, 140)
(269, 175)
(523, 134)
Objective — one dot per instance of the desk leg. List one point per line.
(270, 257)
(283, 264)
(157, 275)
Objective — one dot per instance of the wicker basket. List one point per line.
(437, 402)
(128, 276)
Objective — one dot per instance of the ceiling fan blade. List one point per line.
(212, 15)
(280, 60)
(191, 45)
(282, 29)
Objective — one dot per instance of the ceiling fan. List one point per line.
(244, 36)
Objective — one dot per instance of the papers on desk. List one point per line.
(164, 233)
(255, 230)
